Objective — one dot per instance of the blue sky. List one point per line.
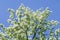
(54, 6)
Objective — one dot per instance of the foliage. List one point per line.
(26, 24)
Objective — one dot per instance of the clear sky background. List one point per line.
(54, 6)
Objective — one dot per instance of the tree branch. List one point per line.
(34, 34)
(26, 34)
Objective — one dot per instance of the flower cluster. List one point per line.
(26, 24)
